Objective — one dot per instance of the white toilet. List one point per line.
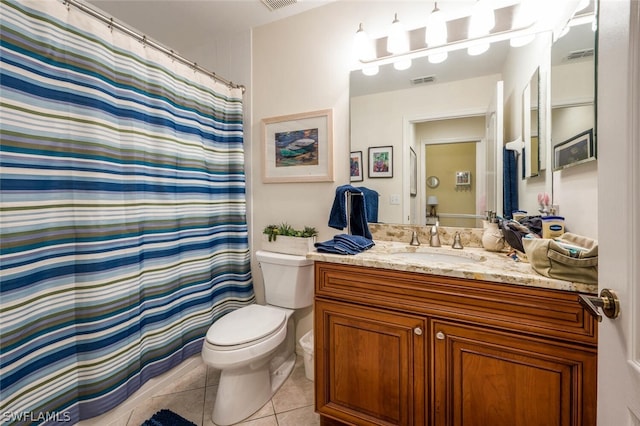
(254, 346)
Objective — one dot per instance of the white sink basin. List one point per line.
(437, 256)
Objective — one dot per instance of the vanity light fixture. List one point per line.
(481, 22)
(436, 34)
(365, 51)
(398, 40)
(525, 15)
(402, 64)
(398, 43)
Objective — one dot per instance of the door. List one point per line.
(618, 142)
(371, 368)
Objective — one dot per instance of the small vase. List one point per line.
(492, 238)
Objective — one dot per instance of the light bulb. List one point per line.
(436, 33)
(482, 19)
(363, 46)
(402, 64)
(398, 40)
(481, 22)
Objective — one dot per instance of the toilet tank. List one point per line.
(288, 279)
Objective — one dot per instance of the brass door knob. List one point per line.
(608, 302)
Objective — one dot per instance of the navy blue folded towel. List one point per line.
(345, 244)
(339, 218)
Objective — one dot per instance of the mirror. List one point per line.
(386, 108)
(573, 103)
(531, 153)
(389, 112)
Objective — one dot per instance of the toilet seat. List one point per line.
(245, 327)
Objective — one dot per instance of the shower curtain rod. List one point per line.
(148, 42)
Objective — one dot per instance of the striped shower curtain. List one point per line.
(123, 212)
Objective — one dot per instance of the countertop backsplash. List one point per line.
(470, 237)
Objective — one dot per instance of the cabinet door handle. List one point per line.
(440, 335)
(417, 331)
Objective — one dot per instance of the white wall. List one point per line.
(379, 119)
(302, 64)
(574, 190)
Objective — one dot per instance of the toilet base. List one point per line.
(242, 392)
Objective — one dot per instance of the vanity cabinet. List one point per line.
(405, 348)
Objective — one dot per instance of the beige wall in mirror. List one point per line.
(390, 116)
(379, 119)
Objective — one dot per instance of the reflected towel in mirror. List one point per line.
(356, 218)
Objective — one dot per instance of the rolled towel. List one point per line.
(356, 242)
(345, 244)
(332, 247)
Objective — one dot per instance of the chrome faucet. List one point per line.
(414, 239)
(434, 238)
(457, 242)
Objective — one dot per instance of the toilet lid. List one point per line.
(246, 324)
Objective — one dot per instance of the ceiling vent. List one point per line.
(579, 54)
(278, 4)
(423, 80)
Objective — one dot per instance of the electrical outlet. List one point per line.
(394, 199)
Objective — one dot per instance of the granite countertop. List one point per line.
(495, 267)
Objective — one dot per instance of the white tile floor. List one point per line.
(193, 394)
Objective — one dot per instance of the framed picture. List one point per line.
(298, 147)
(355, 162)
(381, 162)
(463, 178)
(413, 173)
(576, 150)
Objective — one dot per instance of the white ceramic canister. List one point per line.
(492, 238)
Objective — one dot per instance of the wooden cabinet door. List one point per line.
(501, 379)
(369, 365)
